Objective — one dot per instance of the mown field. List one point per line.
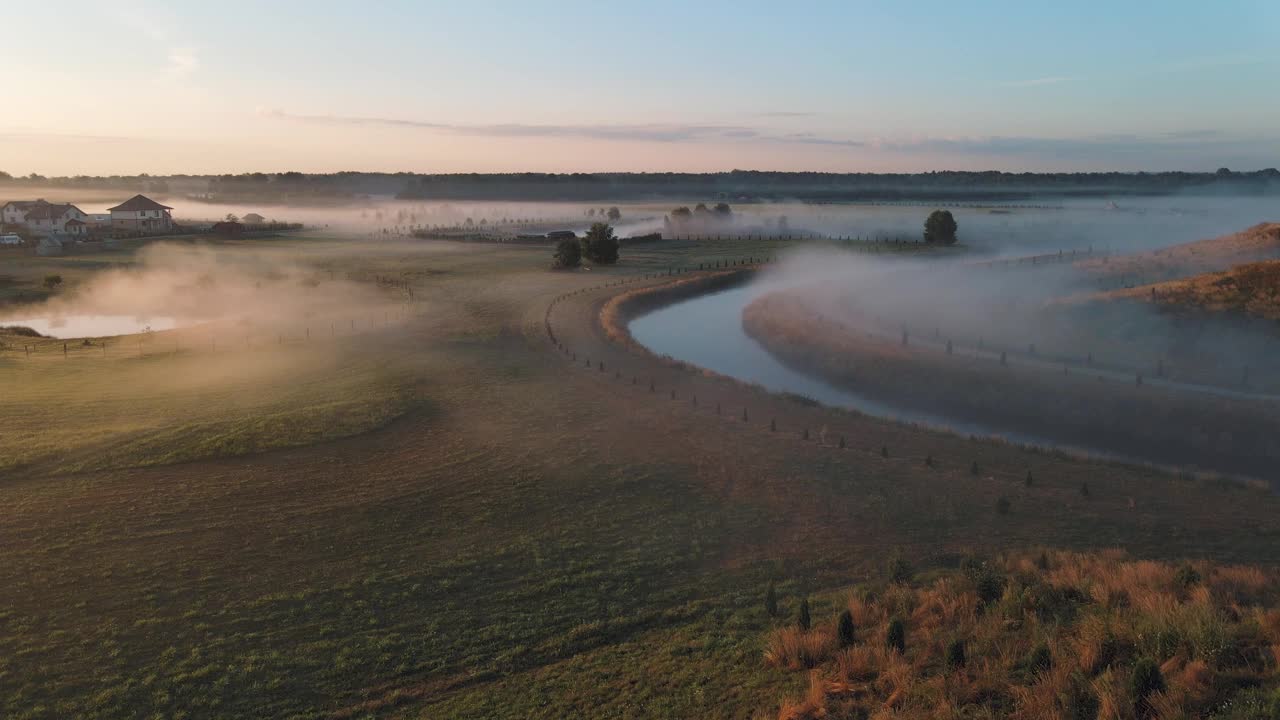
(488, 529)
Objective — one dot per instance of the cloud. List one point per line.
(654, 132)
(1189, 149)
(1036, 82)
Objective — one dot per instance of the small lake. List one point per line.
(79, 326)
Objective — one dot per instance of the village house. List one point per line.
(253, 219)
(43, 219)
(141, 214)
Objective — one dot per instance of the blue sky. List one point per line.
(484, 86)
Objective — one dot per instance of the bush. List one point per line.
(1187, 577)
(1145, 680)
(899, 571)
(940, 227)
(568, 253)
(955, 654)
(1040, 659)
(844, 629)
(771, 601)
(600, 245)
(896, 636)
(1002, 505)
(52, 281)
(804, 621)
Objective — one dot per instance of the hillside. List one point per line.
(1260, 242)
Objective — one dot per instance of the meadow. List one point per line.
(450, 517)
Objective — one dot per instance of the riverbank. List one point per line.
(1074, 406)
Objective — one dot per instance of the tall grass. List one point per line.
(1063, 640)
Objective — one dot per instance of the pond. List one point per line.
(79, 326)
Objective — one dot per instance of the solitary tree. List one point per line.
(940, 228)
(568, 253)
(600, 245)
(614, 214)
(722, 209)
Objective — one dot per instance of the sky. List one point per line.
(133, 86)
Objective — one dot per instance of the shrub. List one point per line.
(955, 654)
(895, 638)
(1040, 659)
(1143, 682)
(1187, 577)
(844, 629)
(568, 253)
(899, 571)
(973, 469)
(1078, 701)
(989, 585)
(52, 281)
(1002, 505)
(771, 601)
(804, 621)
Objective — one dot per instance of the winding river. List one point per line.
(707, 331)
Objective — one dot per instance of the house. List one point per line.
(253, 219)
(43, 218)
(141, 214)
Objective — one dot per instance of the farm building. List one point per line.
(253, 219)
(141, 214)
(43, 218)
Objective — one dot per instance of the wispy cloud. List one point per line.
(653, 132)
(1035, 82)
(160, 26)
(1200, 146)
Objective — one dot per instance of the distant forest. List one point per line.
(737, 185)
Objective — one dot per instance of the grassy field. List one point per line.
(499, 531)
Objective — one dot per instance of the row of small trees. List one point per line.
(599, 245)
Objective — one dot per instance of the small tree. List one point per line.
(771, 601)
(940, 228)
(614, 214)
(600, 245)
(896, 636)
(844, 629)
(804, 621)
(568, 253)
(723, 210)
(52, 281)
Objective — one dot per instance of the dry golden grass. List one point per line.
(1059, 641)
(1259, 242)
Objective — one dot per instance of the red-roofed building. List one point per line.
(141, 214)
